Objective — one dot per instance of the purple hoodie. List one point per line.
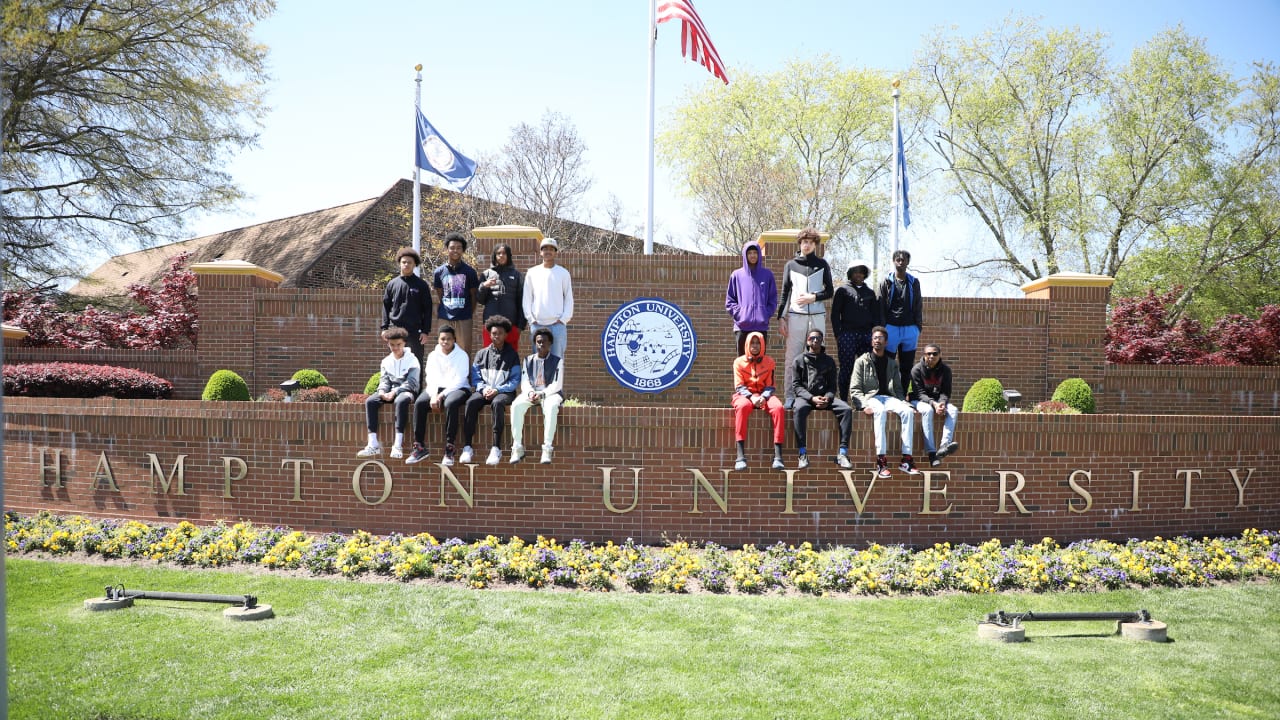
(752, 297)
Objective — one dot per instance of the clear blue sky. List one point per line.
(342, 79)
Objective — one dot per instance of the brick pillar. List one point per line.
(523, 240)
(227, 312)
(1076, 327)
(13, 335)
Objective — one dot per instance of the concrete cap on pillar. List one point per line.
(1068, 279)
(506, 232)
(236, 267)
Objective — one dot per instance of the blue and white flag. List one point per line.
(435, 154)
(900, 176)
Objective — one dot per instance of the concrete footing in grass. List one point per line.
(257, 612)
(97, 604)
(1149, 631)
(1001, 633)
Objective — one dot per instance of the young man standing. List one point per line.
(931, 396)
(814, 388)
(806, 285)
(445, 387)
(495, 375)
(752, 297)
(902, 305)
(406, 303)
(853, 313)
(457, 282)
(753, 380)
(502, 293)
(541, 383)
(876, 389)
(548, 296)
(399, 382)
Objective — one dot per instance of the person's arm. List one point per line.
(786, 292)
(917, 382)
(460, 369)
(386, 307)
(477, 380)
(513, 377)
(919, 323)
(770, 294)
(556, 384)
(944, 392)
(798, 388)
(568, 299)
(740, 379)
(384, 381)
(828, 287)
(413, 378)
(838, 309)
(731, 297)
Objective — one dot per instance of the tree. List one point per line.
(1223, 247)
(1144, 330)
(804, 146)
(1068, 163)
(119, 117)
(540, 169)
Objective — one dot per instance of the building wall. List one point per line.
(1184, 483)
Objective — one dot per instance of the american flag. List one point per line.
(695, 44)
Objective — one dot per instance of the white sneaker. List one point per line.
(546, 456)
(370, 451)
(517, 454)
(467, 455)
(397, 452)
(495, 456)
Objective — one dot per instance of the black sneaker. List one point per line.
(908, 466)
(934, 459)
(418, 454)
(448, 455)
(949, 449)
(882, 467)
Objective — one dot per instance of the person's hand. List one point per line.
(387, 397)
(757, 401)
(939, 409)
(804, 299)
(422, 338)
(435, 401)
(782, 327)
(868, 411)
(489, 393)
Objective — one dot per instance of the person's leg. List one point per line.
(519, 407)
(550, 414)
(800, 418)
(498, 406)
(740, 339)
(452, 404)
(559, 339)
(421, 407)
(463, 335)
(371, 406)
(878, 423)
(471, 416)
(949, 425)
(906, 417)
(485, 340)
(778, 415)
(796, 327)
(742, 408)
(844, 416)
(403, 402)
(907, 353)
(861, 343)
(847, 356)
(513, 339)
(926, 424)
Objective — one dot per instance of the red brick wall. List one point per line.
(1189, 389)
(565, 500)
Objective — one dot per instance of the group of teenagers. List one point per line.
(877, 334)
(452, 381)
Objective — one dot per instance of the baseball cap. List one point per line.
(551, 243)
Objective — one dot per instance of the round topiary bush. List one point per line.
(1077, 394)
(308, 378)
(986, 395)
(226, 385)
(375, 380)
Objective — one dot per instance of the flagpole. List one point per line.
(653, 42)
(416, 239)
(897, 181)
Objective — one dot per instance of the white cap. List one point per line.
(549, 242)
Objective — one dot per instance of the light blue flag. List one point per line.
(435, 154)
(900, 171)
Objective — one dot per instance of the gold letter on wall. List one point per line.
(386, 482)
(1240, 485)
(722, 501)
(297, 475)
(103, 472)
(226, 474)
(607, 472)
(467, 492)
(1186, 493)
(178, 471)
(1088, 499)
(1005, 492)
(861, 502)
(929, 491)
(1137, 475)
(56, 467)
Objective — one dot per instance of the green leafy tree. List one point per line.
(807, 145)
(119, 116)
(1071, 164)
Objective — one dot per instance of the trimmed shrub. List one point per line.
(356, 398)
(226, 385)
(1054, 407)
(272, 395)
(309, 378)
(1076, 393)
(371, 387)
(986, 395)
(324, 393)
(80, 380)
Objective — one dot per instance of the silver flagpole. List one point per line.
(653, 42)
(897, 181)
(416, 239)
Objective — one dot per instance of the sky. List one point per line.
(342, 83)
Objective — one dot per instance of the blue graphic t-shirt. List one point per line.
(455, 286)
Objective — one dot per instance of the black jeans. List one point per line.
(374, 403)
(844, 416)
(500, 402)
(451, 404)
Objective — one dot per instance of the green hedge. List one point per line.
(986, 395)
(226, 385)
(1075, 393)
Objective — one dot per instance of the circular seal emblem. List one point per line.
(438, 153)
(648, 345)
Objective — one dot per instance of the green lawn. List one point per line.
(342, 649)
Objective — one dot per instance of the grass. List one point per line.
(339, 649)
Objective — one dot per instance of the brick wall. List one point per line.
(1189, 390)
(177, 366)
(566, 499)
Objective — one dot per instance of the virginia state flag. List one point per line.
(435, 154)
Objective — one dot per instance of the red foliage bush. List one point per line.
(355, 398)
(1141, 332)
(324, 393)
(77, 380)
(169, 319)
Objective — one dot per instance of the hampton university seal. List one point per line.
(648, 345)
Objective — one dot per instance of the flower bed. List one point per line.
(679, 567)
